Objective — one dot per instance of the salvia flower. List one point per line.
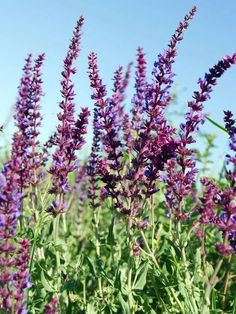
(51, 308)
(14, 257)
(99, 93)
(149, 142)
(69, 137)
(140, 85)
(25, 147)
(218, 205)
(231, 159)
(182, 170)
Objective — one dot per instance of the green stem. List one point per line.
(64, 223)
(152, 221)
(84, 292)
(227, 277)
(97, 244)
(210, 285)
(130, 297)
(154, 260)
(186, 271)
(56, 222)
(129, 271)
(39, 222)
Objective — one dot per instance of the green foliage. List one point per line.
(90, 266)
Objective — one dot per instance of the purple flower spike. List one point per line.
(27, 159)
(69, 137)
(14, 256)
(180, 182)
(140, 86)
(231, 128)
(99, 93)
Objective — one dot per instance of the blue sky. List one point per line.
(114, 29)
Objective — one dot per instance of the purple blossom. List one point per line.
(99, 93)
(27, 160)
(69, 137)
(182, 170)
(14, 256)
(51, 308)
(140, 85)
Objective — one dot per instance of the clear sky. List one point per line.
(114, 29)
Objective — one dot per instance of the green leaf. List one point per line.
(124, 304)
(141, 282)
(217, 125)
(90, 309)
(111, 237)
(45, 283)
(91, 266)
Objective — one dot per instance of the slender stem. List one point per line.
(227, 277)
(97, 244)
(56, 222)
(186, 270)
(84, 292)
(39, 221)
(210, 285)
(129, 245)
(155, 262)
(130, 298)
(152, 221)
(64, 222)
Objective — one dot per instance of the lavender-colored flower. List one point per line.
(182, 170)
(69, 137)
(80, 189)
(223, 199)
(138, 244)
(140, 85)
(153, 142)
(115, 102)
(14, 256)
(94, 157)
(51, 308)
(106, 129)
(109, 124)
(25, 155)
(99, 93)
(231, 159)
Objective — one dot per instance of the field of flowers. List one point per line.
(135, 228)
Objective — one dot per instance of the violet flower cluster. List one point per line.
(142, 149)
(25, 147)
(52, 307)
(14, 257)
(218, 205)
(181, 171)
(69, 137)
(100, 105)
(137, 146)
(19, 173)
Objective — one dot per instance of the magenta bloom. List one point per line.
(69, 137)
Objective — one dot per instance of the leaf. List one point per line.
(91, 266)
(90, 309)
(111, 237)
(124, 304)
(217, 125)
(141, 282)
(46, 284)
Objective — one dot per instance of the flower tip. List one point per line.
(81, 20)
(234, 58)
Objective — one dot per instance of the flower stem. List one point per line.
(210, 285)
(227, 277)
